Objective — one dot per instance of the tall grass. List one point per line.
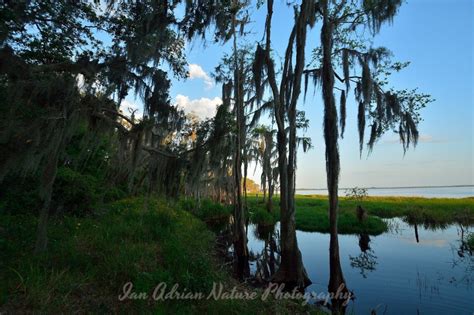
(90, 259)
(143, 241)
(311, 212)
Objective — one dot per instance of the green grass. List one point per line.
(259, 215)
(311, 212)
(90, 259)
(206, 210)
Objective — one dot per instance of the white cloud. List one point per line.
(196, 72)
(128, 106)
(202, 107)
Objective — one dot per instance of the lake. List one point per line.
(393, 273)
(427, 192)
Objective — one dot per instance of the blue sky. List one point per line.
(437, 37)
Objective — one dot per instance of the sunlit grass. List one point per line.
(90, 259)
(312, 212)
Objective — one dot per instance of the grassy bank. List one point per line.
(311, 212)
(421, 210)
(90, 259)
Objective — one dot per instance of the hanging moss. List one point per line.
(257, 70)
(361, 125)
(345, 68)
(342, 113)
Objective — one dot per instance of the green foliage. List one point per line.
(311, 220)
(187, 204)
(356, 193)
(74, 191)
(113, 193)
(260, 215)
(19, 196)
(423, 210)
(209, 210)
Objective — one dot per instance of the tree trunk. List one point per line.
(270, 198)
(331, 134)
(46, 190)
(240, 237)
(268, 169)
(291, 270)
(246, 165)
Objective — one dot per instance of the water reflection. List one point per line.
(267, 260)
(464, 248)
(392, 273)
(226, 247)
(366, 261)
(416, 233)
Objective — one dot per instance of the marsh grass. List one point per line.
(260, 215)
(311, 212)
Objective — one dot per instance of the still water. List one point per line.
(393, 272)
(427, 192)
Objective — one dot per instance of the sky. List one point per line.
(437, 37)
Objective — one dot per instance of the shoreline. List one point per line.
(369, 198)
(395, 187)
(311, 212)
(391, 196)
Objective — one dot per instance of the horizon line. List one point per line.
(393, 187)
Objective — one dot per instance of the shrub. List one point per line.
(187, 204)
(19, 196)
(262, 217)
(113, 193)
(75, 192)
(209, 210)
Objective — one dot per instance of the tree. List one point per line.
(340, 20)
(285, 97)
(233, 73)
(56, 46)
(44, 103)
(266, 152)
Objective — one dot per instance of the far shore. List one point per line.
(394, 187)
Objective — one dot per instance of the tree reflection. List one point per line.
(366, 261)
(268, 260)
(464, 248)
(340, 293)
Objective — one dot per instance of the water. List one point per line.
(428, 192)
(393, 271)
